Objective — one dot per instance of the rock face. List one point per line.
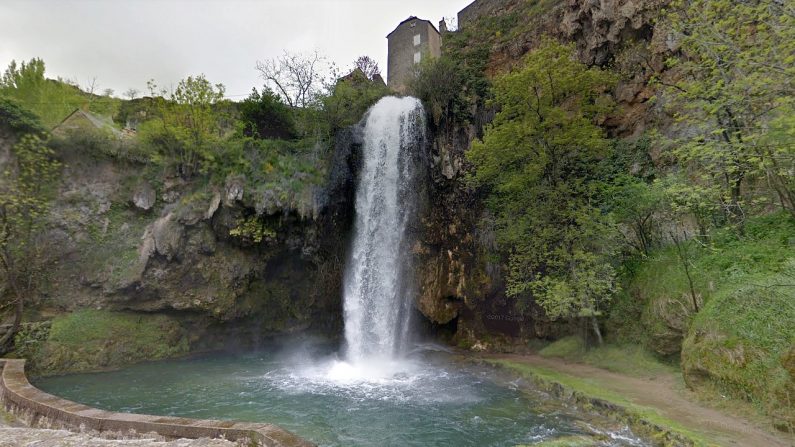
(460, 276)
(601, 27)
(119, 244)
(144, 196)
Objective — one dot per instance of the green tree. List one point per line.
(350, 98)
(189, 129)
(439, 83)
(635, 203)
(25, 198)
(51, 100)
(264, 115)
(18, 119)
(736, 97)
(537, 162)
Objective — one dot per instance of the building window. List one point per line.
(417, 39)
(412, 24)
(417, 57)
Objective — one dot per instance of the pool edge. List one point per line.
(40, 409)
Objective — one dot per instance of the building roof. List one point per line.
(95, 120)
(414, 18)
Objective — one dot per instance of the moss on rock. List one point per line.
(88, 340)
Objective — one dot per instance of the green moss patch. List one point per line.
(738, 342)
(734, 346)
(590, 395)
(630, 359)
(89, 340)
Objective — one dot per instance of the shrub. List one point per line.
(18, 119)
(265, 115)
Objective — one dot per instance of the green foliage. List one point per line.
(439, 83)
(457, 83)
(738, 340)
(734, 344)
(453, 85)
(25, 200)
(736, 98)
(252, 229)
(30, 338)
(264, 115)
(278, 174)
(25, 197)
(350, 98)
(536, 161)
(635, 203)
(99, 143)
(18, 119)
(189, 132)
(51, 100)
(630, 359)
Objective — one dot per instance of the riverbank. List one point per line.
(658, 403)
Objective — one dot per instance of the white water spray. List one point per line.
(377, 288)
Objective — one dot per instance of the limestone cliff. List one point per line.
(125, 239)
(460, 277)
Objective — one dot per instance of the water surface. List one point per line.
(429, 400)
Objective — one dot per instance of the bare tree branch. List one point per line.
(297, 78)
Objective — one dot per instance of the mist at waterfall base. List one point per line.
(381, 388)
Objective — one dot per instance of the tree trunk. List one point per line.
(596, 330)
(684, 259)
(7, 342)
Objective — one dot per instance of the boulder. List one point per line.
(144, 196)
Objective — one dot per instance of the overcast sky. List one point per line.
(125, 43)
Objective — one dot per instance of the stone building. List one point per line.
(413, 40)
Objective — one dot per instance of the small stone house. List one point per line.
(413, 40)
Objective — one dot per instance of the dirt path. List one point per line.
(662, 394)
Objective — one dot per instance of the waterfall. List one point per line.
(378, 290)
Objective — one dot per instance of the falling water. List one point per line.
(377, 292)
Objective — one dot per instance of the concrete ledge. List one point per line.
(43, 409)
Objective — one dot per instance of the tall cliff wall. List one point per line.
(462, 286)
(121, 238)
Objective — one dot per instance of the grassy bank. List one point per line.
(592, 395)
(739, 344)
(630, 359)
